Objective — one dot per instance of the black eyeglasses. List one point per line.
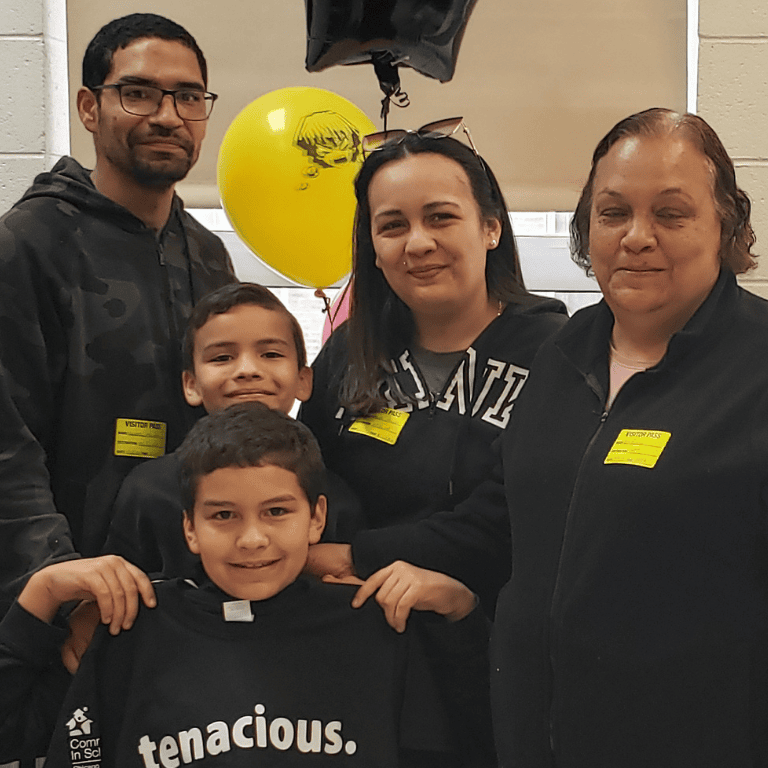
(145, 100)
(440, 129)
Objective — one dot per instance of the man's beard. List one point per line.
(163, 172)
(160, 174)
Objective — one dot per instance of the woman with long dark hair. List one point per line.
(412, 391)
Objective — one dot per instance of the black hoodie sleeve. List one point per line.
(32, 532)
(470, 542)
(33, 683)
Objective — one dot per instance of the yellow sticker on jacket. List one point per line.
(639, 447)
(385, 425)
(141, 439)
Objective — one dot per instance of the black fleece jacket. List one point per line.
(634, 630)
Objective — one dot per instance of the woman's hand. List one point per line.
(331, 560)
(115, 584)
(402, 587)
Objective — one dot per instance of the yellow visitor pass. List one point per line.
(638, 447)
(140, 439)
(385, 425)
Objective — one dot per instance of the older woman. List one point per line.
(634, 631)
(410, 394)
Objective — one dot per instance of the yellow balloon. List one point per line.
(285, 174)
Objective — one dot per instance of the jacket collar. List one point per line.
(209, 597)
(68, 180)
(584, 341)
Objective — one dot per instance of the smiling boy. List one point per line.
(251, 661)
(241, 345)
(252, 527)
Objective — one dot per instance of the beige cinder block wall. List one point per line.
(34, 113)
(577, 49)
(733, 97)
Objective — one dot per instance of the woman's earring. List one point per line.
(493, 243)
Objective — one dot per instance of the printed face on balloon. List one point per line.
(286, 171)
(329, 141)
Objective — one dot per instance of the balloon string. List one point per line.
(385, 67)
(320, 293)
(385, 110)
(399, 98)
(328, 307)
(340, 302)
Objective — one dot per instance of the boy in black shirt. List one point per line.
(241, 345)
(252, 661)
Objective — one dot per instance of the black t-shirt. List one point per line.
(310, 681)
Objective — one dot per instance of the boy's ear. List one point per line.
(304, 388)
(191, 392)
(189, 532)
(88, 109)
(317, 521)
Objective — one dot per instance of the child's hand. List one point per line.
(113, 582)
(82, 624)
(402, 587)
(330, 560)
(353, 580)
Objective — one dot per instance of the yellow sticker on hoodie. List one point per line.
(385, 425)
(139, 438)
(638, 447)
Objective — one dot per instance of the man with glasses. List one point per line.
(99, 271)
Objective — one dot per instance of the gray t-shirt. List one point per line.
(436, 367)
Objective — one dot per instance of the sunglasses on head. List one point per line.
(440, 129)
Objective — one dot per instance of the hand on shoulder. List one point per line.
(115, 584)
(330, 560)
(402, 587)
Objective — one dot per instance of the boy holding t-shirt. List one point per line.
(250, 664)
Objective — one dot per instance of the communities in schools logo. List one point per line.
(84, 744)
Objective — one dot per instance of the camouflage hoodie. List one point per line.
(93, 305)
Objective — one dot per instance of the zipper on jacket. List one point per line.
(167, 289)
(433, 400)
(597, 389)
(553, 637)
(432, 403)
